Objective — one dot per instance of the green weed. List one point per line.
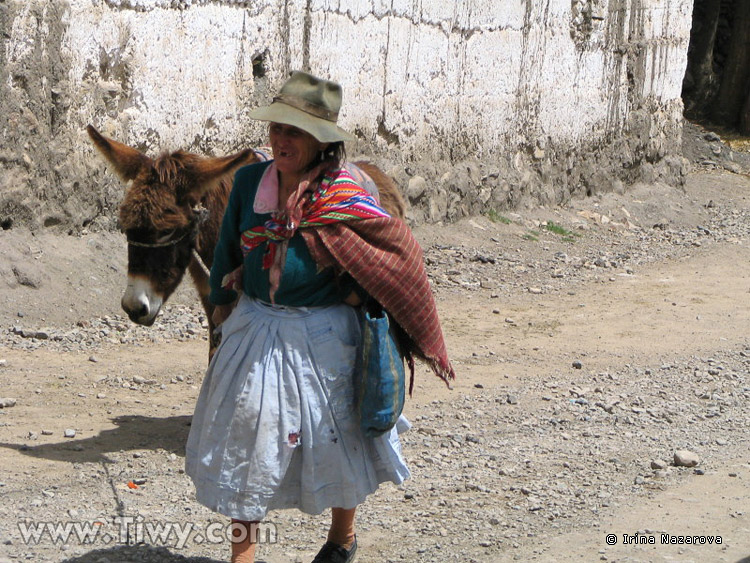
(495, 217)
(559, 230)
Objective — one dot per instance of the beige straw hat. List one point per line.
(309, 103)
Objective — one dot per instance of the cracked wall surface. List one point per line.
(494, 104)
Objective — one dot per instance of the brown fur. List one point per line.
(164, 192)
(390, 196)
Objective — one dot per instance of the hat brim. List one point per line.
(324, 131)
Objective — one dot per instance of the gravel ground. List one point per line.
(542, 438)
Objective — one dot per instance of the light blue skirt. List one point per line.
(275, 424)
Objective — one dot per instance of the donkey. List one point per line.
(171, 215)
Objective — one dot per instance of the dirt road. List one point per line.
(584, 355)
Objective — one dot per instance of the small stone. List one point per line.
(138, 379)
(577, 364)
(658, 464)
(535, 290)
(685, 458)
(46, 432)
(416, 187)
(721, 442)
(733, 167)
(699, 471)
(512, 399)
(69, 433)
(3, 363)
(7, 402)
(27, 276)
(639, 480)
(93, 359)
(101, 395)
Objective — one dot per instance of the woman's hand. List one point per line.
(353, 299)
(220, 314)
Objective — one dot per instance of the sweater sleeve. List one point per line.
(228, 255)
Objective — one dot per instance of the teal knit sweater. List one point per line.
(301, 283)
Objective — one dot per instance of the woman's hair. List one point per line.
(335, 154)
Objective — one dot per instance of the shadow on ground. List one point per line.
(133, 432)
(136, 554)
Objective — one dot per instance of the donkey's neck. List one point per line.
(215, 201)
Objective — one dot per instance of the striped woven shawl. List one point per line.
(383, 256)
(346, 229)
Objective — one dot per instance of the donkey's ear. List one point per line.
(126, 160)
(207, 171)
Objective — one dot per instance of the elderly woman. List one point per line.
(275, 425)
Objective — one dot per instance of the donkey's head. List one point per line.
(161, 215)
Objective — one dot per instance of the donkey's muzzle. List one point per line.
(140, 302)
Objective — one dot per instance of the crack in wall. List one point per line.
(254, 8)
(285, 34)
(382, 118)
(446, 30)
(306, 37)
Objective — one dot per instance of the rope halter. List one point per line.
(200, 215)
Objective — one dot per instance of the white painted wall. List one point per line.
(449, 79)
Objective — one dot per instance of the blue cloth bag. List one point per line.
(379, 380)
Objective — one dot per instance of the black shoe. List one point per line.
(335, 553)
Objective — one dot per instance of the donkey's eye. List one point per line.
(165, 236)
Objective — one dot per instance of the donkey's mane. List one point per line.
(145, 206)
(169, 165)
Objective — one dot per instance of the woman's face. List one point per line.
(293, 148)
